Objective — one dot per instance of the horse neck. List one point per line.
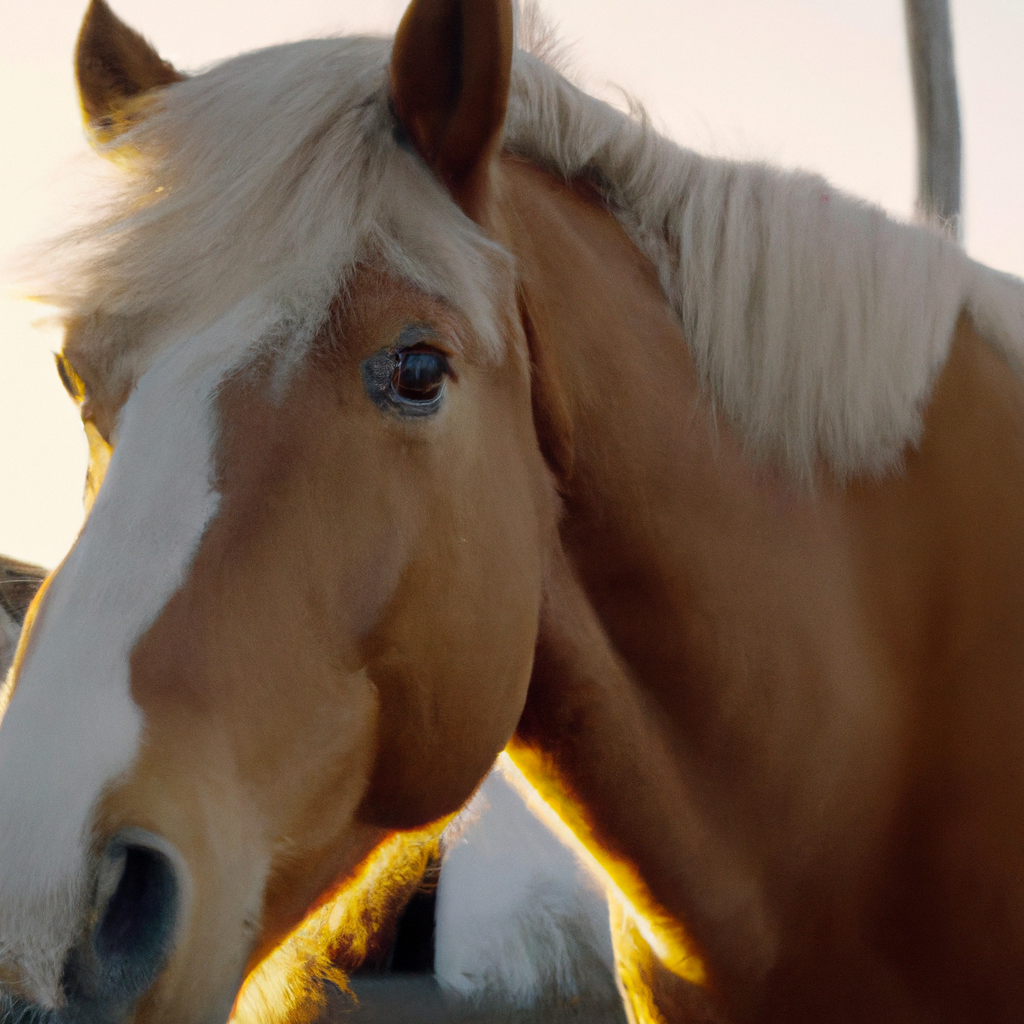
(651, 480)
(668, 527)
(730, 667)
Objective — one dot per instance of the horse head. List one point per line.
(302, 611)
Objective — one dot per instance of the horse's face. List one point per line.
(345, 649)
(302, 613)
(352, 639)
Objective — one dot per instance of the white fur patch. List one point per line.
(519, 916)
(71, 727)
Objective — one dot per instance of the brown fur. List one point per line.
(788, 719)
(807, 704)
(115, 65)
(324, 660)
(450, 72)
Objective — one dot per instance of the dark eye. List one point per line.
(419, 374)
(408, 379)
(73, 384)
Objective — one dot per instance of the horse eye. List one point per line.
(73, 384)
(419, 374)
(407, 380)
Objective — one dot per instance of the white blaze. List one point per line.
(71, 727)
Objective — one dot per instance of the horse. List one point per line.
(449, 410)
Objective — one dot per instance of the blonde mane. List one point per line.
(816, 322)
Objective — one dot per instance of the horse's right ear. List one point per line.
(115, 66)
(450, 71)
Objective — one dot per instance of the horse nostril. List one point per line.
(136, 927)
(139, 892)
(139, 913)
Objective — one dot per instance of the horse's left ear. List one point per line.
(115, 66)
(450, 72)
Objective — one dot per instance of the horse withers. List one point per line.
(453, 410)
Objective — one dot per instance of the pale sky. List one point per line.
(817, 84)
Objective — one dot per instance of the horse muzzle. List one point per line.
(132, 926)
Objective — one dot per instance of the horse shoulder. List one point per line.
(941, 549)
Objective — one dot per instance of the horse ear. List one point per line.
(114, 66)
(450, 72)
